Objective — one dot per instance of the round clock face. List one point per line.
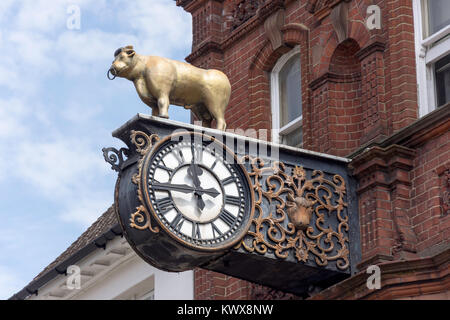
(197, 191)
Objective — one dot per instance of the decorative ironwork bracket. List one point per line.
(304, 230)
(286, 203)
(115, 157)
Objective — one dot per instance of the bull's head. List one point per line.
(299, 211)
(123, 58)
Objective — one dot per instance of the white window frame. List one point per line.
(297, 123)
(428, 52)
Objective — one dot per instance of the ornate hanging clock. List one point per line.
(197, 192)
(285, 218)
(195, 200)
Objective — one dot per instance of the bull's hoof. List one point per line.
(165, 116)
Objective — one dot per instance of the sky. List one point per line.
(57, 111)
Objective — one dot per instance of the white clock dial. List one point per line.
(198, 196)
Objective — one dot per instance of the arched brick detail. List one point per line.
(327, 53)
(344, 104)
(259, 78)
(259, 87)
(358, 32)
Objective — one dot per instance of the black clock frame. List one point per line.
(155, 245)
(247, 204)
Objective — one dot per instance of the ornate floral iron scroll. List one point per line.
(272, 230)
(140, 219)
(115, 157)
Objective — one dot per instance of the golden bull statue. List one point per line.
(161, 81)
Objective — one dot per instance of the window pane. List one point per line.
(442, 69)
(294, 138)
(290, 91)
(438, 15)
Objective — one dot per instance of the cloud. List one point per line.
(59, 167)
(12, 112)
(79, 53)
(55, 112)
(78, 114)
(67, 171)
(162, 27)
(10, 282)
(86, 210)
(33, 50)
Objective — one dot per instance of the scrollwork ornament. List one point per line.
(143, 141)
(115, 157)
(140, 219)
(294, 201)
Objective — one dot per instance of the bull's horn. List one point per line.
(117, 52)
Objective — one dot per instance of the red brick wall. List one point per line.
(209, 285)
(404, 193)
(358, 85)
(429, 221)
(358, 88)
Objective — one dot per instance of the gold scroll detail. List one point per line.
(271, 232)
(140, 219)
(143, 142)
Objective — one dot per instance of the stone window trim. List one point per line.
(429, 49)
(296, 123)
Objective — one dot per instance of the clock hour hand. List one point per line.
(210, 192)
(200, 202)
(194, 171)
(184, 188)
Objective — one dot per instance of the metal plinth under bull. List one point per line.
(189, 196)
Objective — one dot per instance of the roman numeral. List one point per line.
(228, 180)
(197, 153)
(162, 166)
(214, 164)
(196, 231)
(227, 217)
(177, 223)
(179, 155)
(233, 200)
(215, 230)
(164, 204)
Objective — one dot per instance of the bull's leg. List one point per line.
(206, 123)
(221, 124)
(216, 105)
(163, 106)
(155, 111)
(217, 111)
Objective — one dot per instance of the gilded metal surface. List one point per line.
(275, 232)
(143, 141)
(140, 219)
(161, 81)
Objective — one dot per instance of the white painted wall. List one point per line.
(118, 273)
(132, 273)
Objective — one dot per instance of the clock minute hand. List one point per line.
(184, 188)
(194, 171)
(173, 187)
